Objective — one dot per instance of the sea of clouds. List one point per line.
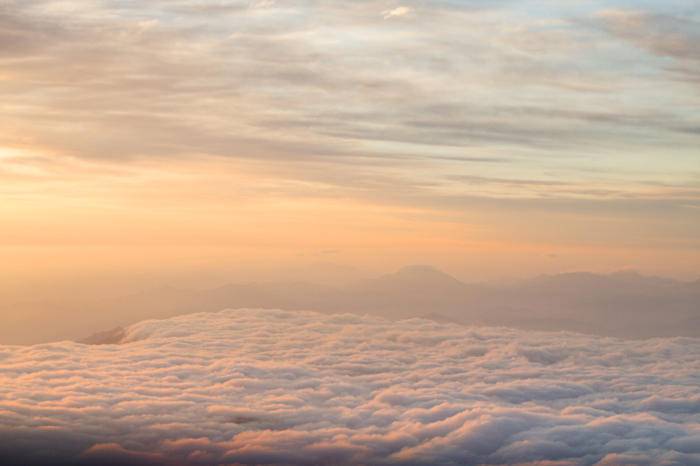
(276, 387)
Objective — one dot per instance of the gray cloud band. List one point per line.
(229, 78)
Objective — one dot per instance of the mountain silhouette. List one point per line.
(417, 277)
(622, 304)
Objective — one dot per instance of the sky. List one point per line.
(490, 138)
(152, 151)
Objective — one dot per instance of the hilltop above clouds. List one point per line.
(276, 387)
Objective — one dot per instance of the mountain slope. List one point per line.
(623, 304)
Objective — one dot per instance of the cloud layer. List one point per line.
(447, 86)
(276, 387)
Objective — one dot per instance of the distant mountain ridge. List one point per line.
(422, 275)
(622, 304)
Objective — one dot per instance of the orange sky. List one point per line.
(77, 217)
(156, 137)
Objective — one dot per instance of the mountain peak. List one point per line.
(420, 269)
(418, 277)
(623, 279)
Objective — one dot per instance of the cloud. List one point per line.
(274, 387)
(662, 35)
(295, 81)
(397, 12)
(327, 100)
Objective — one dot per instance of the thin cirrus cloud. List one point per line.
(331, 79)
(378, 102)
(276, 387)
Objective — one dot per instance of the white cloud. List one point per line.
(262, 4)
(263, 386)
(397, 12)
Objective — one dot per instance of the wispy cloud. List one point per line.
(397, 12)
(374, 101)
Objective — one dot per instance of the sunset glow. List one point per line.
(372, 232)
